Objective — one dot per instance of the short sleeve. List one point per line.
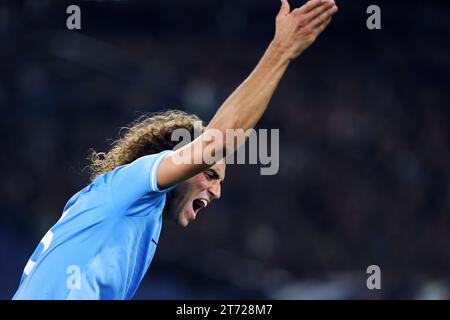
(132, 182)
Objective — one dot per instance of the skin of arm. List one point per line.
(295, 31)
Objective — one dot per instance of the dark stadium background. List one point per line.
(364, 147)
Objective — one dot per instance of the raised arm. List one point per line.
(295, 31)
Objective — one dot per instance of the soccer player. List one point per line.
(103, 244)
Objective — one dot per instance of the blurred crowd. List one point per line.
(364, 142)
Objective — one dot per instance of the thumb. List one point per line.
(285, 8)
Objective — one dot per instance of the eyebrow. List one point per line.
(215, 175)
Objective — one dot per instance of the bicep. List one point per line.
(136, 180)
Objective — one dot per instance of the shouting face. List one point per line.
(193, 195)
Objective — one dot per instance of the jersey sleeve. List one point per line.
(133, 182)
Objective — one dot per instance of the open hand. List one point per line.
(297, 30)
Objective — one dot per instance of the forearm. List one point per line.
(295, 31)
(241, 110)
(245, 106)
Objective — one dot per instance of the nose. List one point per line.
(214, 190)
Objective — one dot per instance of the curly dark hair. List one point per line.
(150, 133)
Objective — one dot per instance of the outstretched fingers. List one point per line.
(318, 11)
(310, 6)
(324, 18)
(322, 27)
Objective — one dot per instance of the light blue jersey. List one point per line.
(103, 244)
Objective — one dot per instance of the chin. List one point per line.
(182, 221)
(190, 211)
(183, 224)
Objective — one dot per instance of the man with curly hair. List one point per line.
(103, 244)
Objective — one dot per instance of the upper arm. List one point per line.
(137, 179)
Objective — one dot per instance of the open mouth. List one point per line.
(199, 204)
